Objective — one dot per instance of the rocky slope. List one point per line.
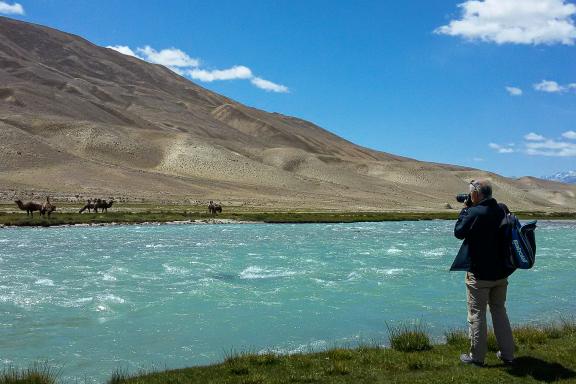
(81, 120)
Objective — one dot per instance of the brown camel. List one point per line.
(47, 207)
(89, 206)
(97, 204)
(214, 208)
(103, 204)
(29, 207)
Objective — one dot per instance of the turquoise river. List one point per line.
(90, 300)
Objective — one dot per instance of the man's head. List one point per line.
(480, 190)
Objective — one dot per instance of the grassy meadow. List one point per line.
(544, 354)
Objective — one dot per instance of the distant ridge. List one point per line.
(568, 177)
(81, 120)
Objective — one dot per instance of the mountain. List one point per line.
(81, 120)
(568, 177)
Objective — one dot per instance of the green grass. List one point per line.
(69, 218)
(553, 360)
(37, 374)
(133, 213)
(457, 338)
(409, 337)
(122, 215)
(544, 354)
(539, 215)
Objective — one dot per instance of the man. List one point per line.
(481, 256)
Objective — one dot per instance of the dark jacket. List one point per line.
(482, 250)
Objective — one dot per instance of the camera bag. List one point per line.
(519, 242)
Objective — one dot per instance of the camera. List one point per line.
(464, 198)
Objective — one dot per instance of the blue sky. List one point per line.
(423, 79)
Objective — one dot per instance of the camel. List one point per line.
(47, 207)
(102, 204)
(96, 204)
(29, 207)
(89, 206)
(214, 208)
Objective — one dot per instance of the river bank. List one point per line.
(165, 215)
(544, 353)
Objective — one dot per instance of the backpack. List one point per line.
(519, 242)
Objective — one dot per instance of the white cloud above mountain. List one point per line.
(268, 85)
(514, 22)
(123, 49)
(537, 145)
(11, 9)
(551, 148)
(169, 57)
(181, 63)
(236, 72)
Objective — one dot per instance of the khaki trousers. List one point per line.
(480, 294)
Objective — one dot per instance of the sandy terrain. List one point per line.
(78, 121)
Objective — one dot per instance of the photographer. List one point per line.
(486, 274)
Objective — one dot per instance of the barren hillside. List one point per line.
(79, 119)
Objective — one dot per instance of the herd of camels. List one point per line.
(91, 205)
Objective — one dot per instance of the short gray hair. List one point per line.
(483, 186)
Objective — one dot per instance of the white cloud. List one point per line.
(538, 145)
(551, 148)
(269, 86)
(534, 137)
(501, 148)
(184, 65)
(549, 86)
(170, 57)
(11, 9)
(514, 91)
(569, 135)
(515, 21)
(236, 72)
(123, 49)
(478, 159)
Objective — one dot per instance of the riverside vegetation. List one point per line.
(134, 214)
(544, 354)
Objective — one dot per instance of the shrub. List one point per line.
(409, 337)
(118, 377)
(552, 331)
(568, 325)
(456, 337)
(37, 374)
(268, 358)
(237, 362)
(529, 335)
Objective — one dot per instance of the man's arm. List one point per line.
(464, 224)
